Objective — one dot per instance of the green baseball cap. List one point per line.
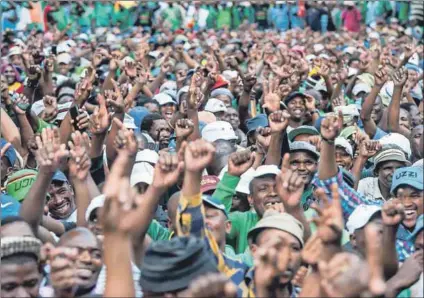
(19, 183)
(302, 130)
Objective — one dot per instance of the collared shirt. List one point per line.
(251, 289)
(370, 189)
(350, 199)
(190, 221)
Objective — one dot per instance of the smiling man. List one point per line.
(61, 199)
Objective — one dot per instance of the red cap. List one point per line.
(208, 183)
(220, 83)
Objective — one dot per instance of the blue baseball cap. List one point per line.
(10, 153)
(214, 203)
(260, 120)
(59, 176)
(138, 113)
(9, 206)
(419, 226)
(410, 176)
(292, 96)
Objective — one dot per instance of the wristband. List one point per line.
(331, 142)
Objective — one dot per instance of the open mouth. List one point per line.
(298, 112)
(410, 214)
(84, 274)
(271, 202)
(62, 207)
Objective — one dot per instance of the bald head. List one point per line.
(79, 237)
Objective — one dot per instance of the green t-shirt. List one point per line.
(61, 18)
(211, 19)
(85, 19)
(224, 18)
(173, 16)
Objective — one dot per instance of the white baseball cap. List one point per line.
(243, 185)
(129, 122)
(168, 85)
(361, 87)
(142, 172)
(218, 130)
(95, 203)
(163, 99)
(349, 110)
(64, 58)
(361, 216)
(215, 105)
(147, 155)
(14, 51)
(399, 140)
(266, 170)
(342, 142)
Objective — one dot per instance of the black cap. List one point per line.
(170, 266)
(292, 95)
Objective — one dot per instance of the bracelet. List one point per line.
(331, 142)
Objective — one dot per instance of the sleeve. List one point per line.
(226, 189)
(157, 232)
(350, 198)
(236, 219)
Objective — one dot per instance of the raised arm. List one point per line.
(278, 122)
(399, 79)
(370, 126)
(330, 129)
(50, 154)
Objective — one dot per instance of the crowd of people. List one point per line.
(246, 149)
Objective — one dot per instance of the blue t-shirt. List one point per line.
(379, 133)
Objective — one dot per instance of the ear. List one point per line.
(250, 200)
(253, 248)
(352, 239)
(228, 227)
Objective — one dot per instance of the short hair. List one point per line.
(145, 101)
(67, 83)
(147, 122)
(407, 106)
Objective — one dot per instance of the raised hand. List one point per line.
(393, 212)
(232, 62)
(380, 77)
(284, 90)
(369, 148)
(331, 127)
(272, 100)
(168, 169)
(300, 276)
(263, 138)
(289, 185)
(21, 104)
(330, 216)
(278, 121)
(80, 162)
(271, 260)
(51, 153)
(311, 253)
(338, 101)
(409, 50)
(198, 155)
(183, 128)
(324, 70)
(50, 108)
(216, 285)
(130, 69)
(142, 76)
(49, 64)
(240, 162)
(316, 141)
(100, 119)
(409, 273)
(125, 140)
(249, 81)
(113, 65)
(82, 120)
(115, 99)
(34, 73)
(310, 103)
(399, 77)
(63, 275)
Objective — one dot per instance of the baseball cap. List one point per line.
(347, 132)
(10, 153)
(163, 99)
(14, 51)
(418, 228)
(181, 92)
(397, 139)
(302, 130)
(95, 203)
(208, 183)
(266, 170)
(292, 96)
(260, 120)
(391, 154)
(222, 91)
(19, 183)
(218, 130)
(281, 221)
(344, 143)
(304, 146)
(349, 110)
(59, 176)
(361, 87)
(64, 58)
(142, 172)
(147, 155)
(361, 216)
(245, 179)
(214, 203)
(9, 206)
(168, 85)
(215, 105)
(410, 176)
